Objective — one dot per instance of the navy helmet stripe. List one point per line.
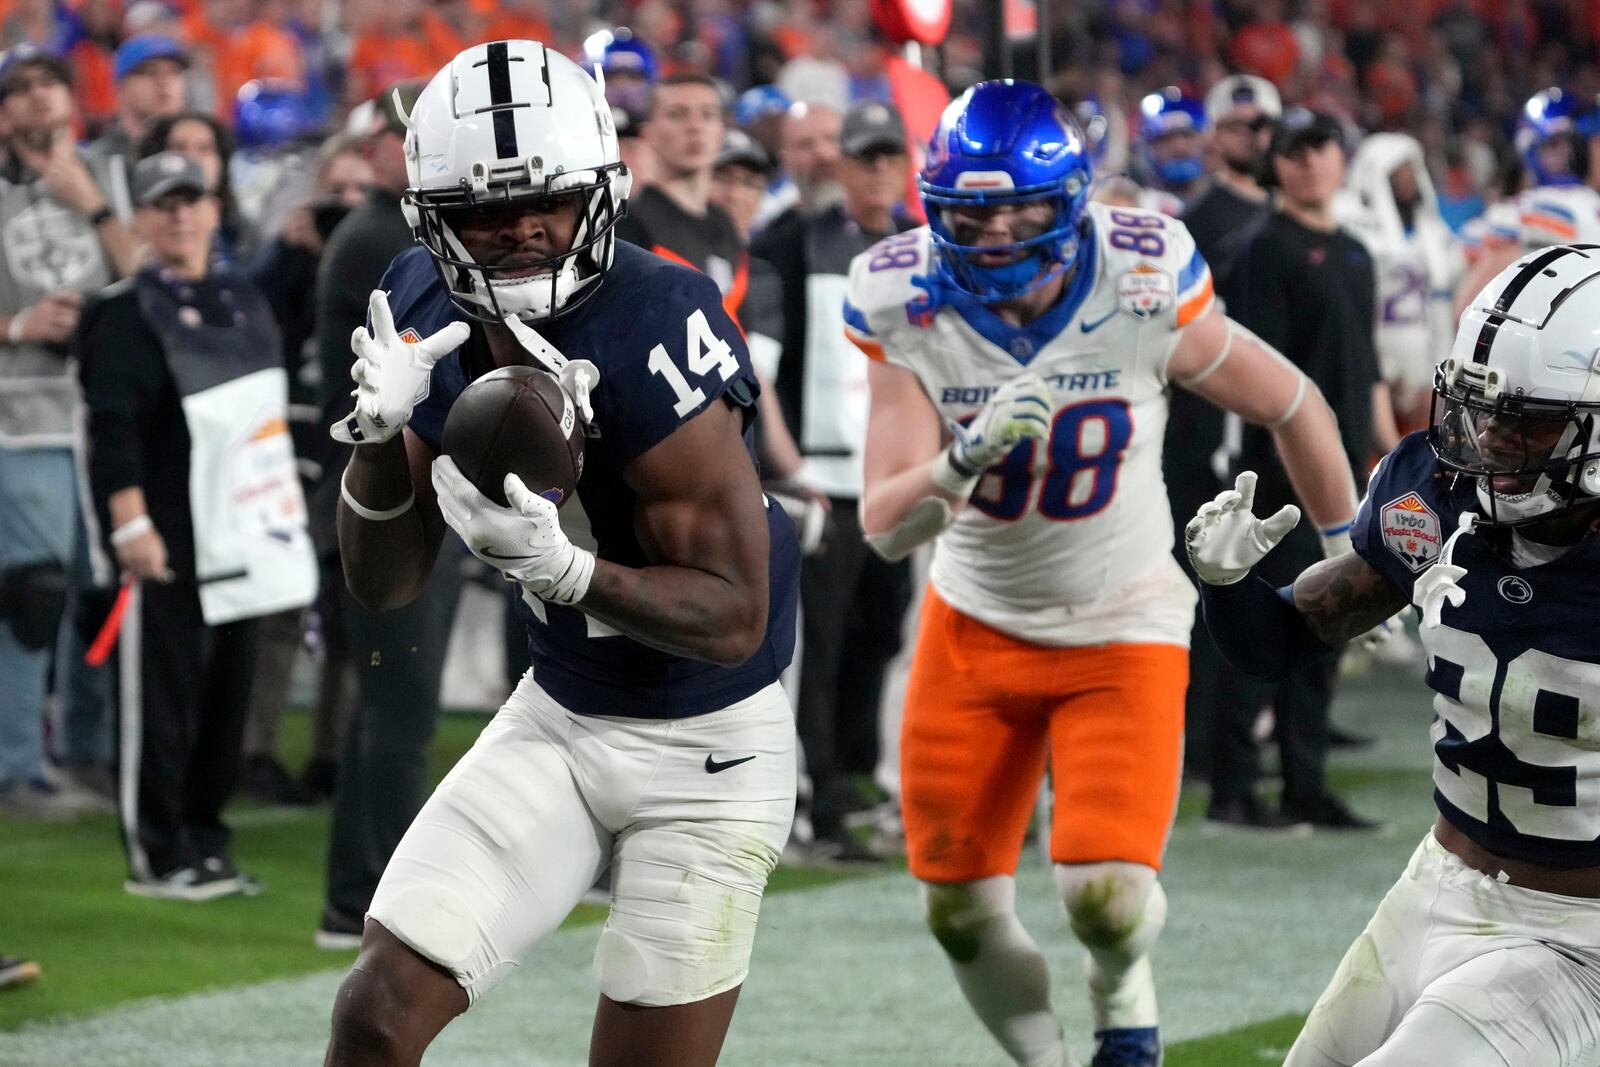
(1526, 275)
(1508, 296)
(505, 123)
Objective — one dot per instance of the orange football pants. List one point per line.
(984, 711)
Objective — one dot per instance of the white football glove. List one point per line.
(1225, 539)
(1018, 410)
(391, 374)
(524, 542)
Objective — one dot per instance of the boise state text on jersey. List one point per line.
(1515, 669)
(1059, 536)
(665, 349)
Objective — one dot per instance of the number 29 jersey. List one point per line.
(1068, 540)
(1515, 668)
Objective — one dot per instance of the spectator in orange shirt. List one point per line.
(90, 56)
(246, 44)
(526, 20)
(397, 42)
(1267, 46)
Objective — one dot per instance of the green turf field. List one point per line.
(844, 973)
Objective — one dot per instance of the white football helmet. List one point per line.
(1516, 406)
(513, 121)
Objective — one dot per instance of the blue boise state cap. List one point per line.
(136, 51)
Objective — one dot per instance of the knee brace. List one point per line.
(1113, 906)
(957, 912)
(33, 598)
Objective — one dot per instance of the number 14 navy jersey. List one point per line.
(666, 350)
(1515, 669)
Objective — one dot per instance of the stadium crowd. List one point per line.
(771, 142)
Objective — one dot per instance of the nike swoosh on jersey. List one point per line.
(1090, 327)
(713, 767)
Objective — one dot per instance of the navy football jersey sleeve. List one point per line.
(683, 352)
(1406, 517)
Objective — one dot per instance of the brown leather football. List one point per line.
(516, 420)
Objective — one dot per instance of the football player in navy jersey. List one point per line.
(651, 735)
(1487, 951)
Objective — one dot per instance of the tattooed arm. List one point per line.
(1342, 598)
(1270, 633)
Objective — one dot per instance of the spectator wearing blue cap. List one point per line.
(151, 72)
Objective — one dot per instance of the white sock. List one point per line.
(998, 967)
(1117, 911)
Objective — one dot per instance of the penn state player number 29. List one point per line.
(1544, 704)
(706, 352)
(1087, 442)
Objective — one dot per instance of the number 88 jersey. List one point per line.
(1068, 540)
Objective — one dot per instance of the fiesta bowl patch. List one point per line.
(1144, 291)
(1411, 531)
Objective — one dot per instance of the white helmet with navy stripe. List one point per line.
(509, 122)
(1517, 404)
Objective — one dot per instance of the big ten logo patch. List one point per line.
(1411, 531)
(1145, 290)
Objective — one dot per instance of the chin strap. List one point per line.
(1440, 582)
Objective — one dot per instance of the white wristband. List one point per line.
(1336, 541)
(373, 514)
(950, 480)
(19, 322)
(134, 528)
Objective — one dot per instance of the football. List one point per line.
(516, 420)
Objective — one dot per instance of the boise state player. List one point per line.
(1046, 332)
(651, 735)
(1563, 207)
(1487, 951)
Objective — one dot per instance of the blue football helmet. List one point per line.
(619, 52)
(1005, 142)
(268, 114)
(1550, 114)
(1161, 114)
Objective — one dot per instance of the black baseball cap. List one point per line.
(165, 172)
(871, 126)
(1302, 126)
(387, 113)
(25, 55)
(740, 148)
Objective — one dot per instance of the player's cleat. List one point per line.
(1246, 814)
(338, 932)
(1133, 1047)
(15, 971)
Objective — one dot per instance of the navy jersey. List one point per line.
(1515, 669)
(666, 350)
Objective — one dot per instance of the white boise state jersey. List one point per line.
(1559, 215)
(1068, 540)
